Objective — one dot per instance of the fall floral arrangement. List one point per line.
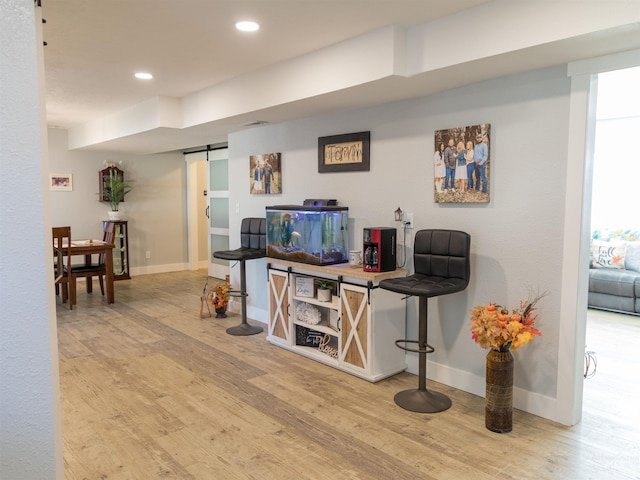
(492, 326)
(220, 295)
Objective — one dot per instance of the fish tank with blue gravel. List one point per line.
(313, 234)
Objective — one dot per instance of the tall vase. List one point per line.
(499, 391)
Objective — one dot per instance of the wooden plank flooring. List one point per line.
(151, 391)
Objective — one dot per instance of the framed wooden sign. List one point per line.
(304, 287)
(344, 153)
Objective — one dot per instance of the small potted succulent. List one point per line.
(325, 288)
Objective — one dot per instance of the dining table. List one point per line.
(97, 247)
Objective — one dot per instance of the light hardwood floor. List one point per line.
(151, 391)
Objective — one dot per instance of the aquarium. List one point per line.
(308, 234)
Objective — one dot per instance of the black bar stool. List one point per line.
(441, 264)
(253, 245)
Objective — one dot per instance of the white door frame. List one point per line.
(194, 212)
(193, 230)
(572, 334)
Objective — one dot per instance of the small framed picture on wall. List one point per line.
(265, 174)
(61, 182)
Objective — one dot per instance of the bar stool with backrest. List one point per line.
(441, 266)
(253, 245)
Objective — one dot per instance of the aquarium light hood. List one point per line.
(318, 202)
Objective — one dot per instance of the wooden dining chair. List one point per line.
(88, 270)
(62, 263)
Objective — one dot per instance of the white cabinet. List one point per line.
(354, 332)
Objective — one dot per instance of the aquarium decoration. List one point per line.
(314, 234)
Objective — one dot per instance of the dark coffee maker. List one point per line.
(379, 249)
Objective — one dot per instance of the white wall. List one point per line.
(30, 433)
(516, 239)
(155, 208)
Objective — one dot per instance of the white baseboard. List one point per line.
(174, 267)
(253, 313)
(524, 400)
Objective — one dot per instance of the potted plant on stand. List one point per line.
(115, 190)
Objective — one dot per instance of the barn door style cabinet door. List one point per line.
(356, 350)
(279, 327)
(354, 332)
(120, 249)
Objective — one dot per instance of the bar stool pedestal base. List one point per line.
(244, 329)
(422, 401)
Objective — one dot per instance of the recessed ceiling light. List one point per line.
(247, 26)
(143, 76)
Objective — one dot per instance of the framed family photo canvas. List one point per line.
(462, 164)
(61, 182)
(265, 174)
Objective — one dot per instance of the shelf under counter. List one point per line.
(321, 327)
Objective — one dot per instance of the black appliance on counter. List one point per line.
(379, 249)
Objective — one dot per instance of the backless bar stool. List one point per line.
(253, 245)
(441, 265)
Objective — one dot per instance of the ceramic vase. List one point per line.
(114, 215)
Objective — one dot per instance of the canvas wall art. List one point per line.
(265, 174)
(462, 164)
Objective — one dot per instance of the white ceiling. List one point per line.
(94, 48)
